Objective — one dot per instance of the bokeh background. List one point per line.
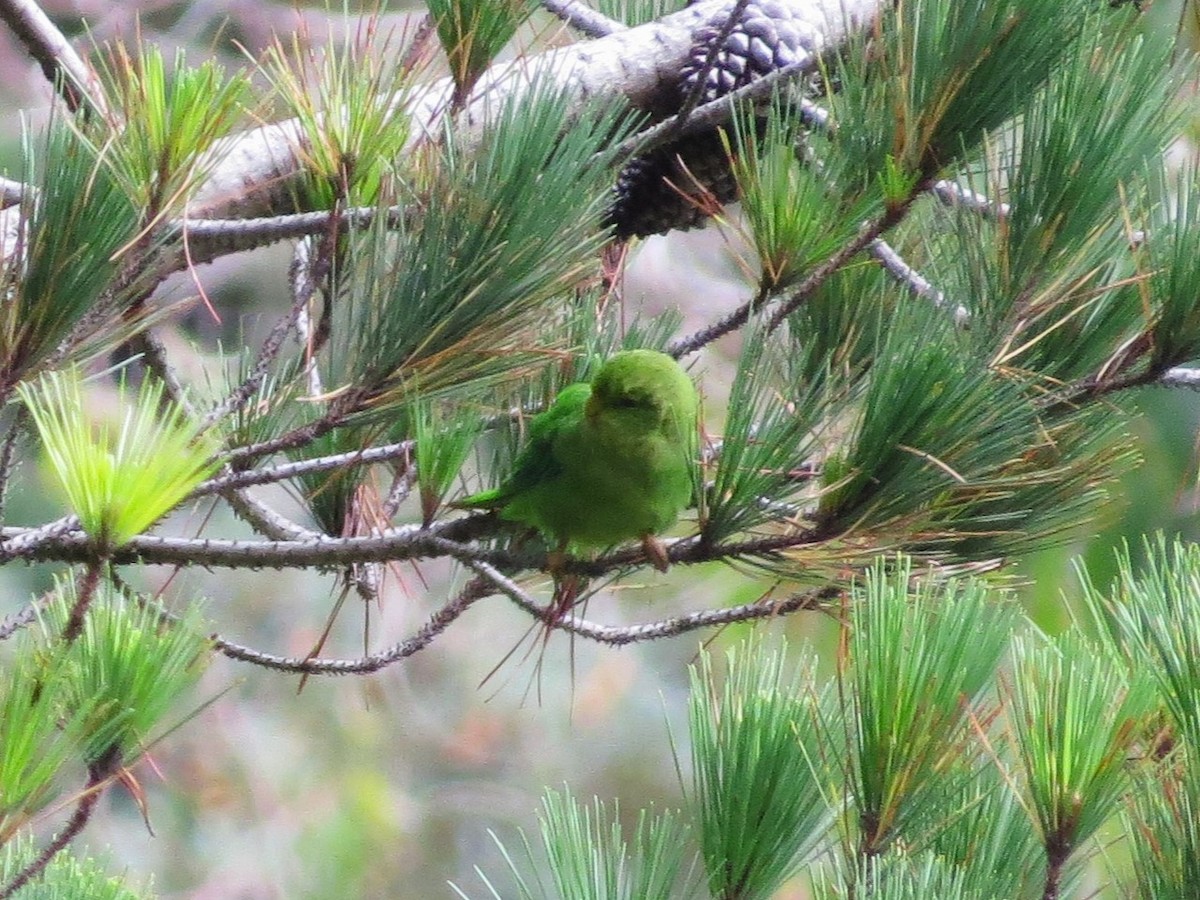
(391, 786)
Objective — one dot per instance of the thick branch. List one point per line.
(326, 552)
(61, 65)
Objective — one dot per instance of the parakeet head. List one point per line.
(644, 386)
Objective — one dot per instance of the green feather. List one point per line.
(609, 461)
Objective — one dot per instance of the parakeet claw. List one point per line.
(656, 552)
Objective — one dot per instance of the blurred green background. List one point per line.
(388, 786)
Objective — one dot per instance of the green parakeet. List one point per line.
(609, 461)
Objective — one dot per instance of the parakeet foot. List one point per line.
(656, 552)
(567, 590)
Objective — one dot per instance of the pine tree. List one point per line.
(964, 245)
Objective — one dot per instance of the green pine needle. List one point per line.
(444, 439)
(768, 438)
(920, 653)
(127, 667)
(473, 32)
(169, 122)
(638, 12)
(1163, 827)
(590, 858)
(757, 800)
(38, 738)
(791, 208)
(74, 228)
(68, 877)
(118, 484)
(1172, 234)
(1074, 718)
(472, 280)
(900, 876)
(1153, 614)
(925, 90)
(347, 102)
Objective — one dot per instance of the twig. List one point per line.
(266, 521)
(953, 194)
(24, 617)
(715, 46)
(583, 18)
(489, 581)
(914, 281)
(13, 192)
(297, 437)
(618, 635)
(404, 475)
(716, 112)
(146, 345)
(476, 589)
(61, 65)
(7, 454)
(89, 580)
(22, 542)
(77, 822)
(740, 316)
(267, 353)
(286, 471)
(1181, 376)
(209, 239)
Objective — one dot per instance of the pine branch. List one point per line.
(583, 18)
(798, 295)
(324, 552)
(84, 808)
(61, 65)
(290, 470)
(491, 581)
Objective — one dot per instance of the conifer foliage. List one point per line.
(963, 245)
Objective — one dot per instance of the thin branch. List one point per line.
(146, 345)
(297, 437)
(584, 19)
(23, 542)
(77, 822)
(61, 65)
(475, 590)
(23, 617)
(619, 635)
(1181, 376)
(266, 521)
(713, 113)
(914, 281)
(289, 470)
(13, 192)
(740, 316)
(85, 590)
(267, 354)
(866, 236)
(952, 194)
(716, 46)
(491, 580)
(209, 239)
(404, 475)
(8, 455)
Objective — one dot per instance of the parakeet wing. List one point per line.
(536, 462)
